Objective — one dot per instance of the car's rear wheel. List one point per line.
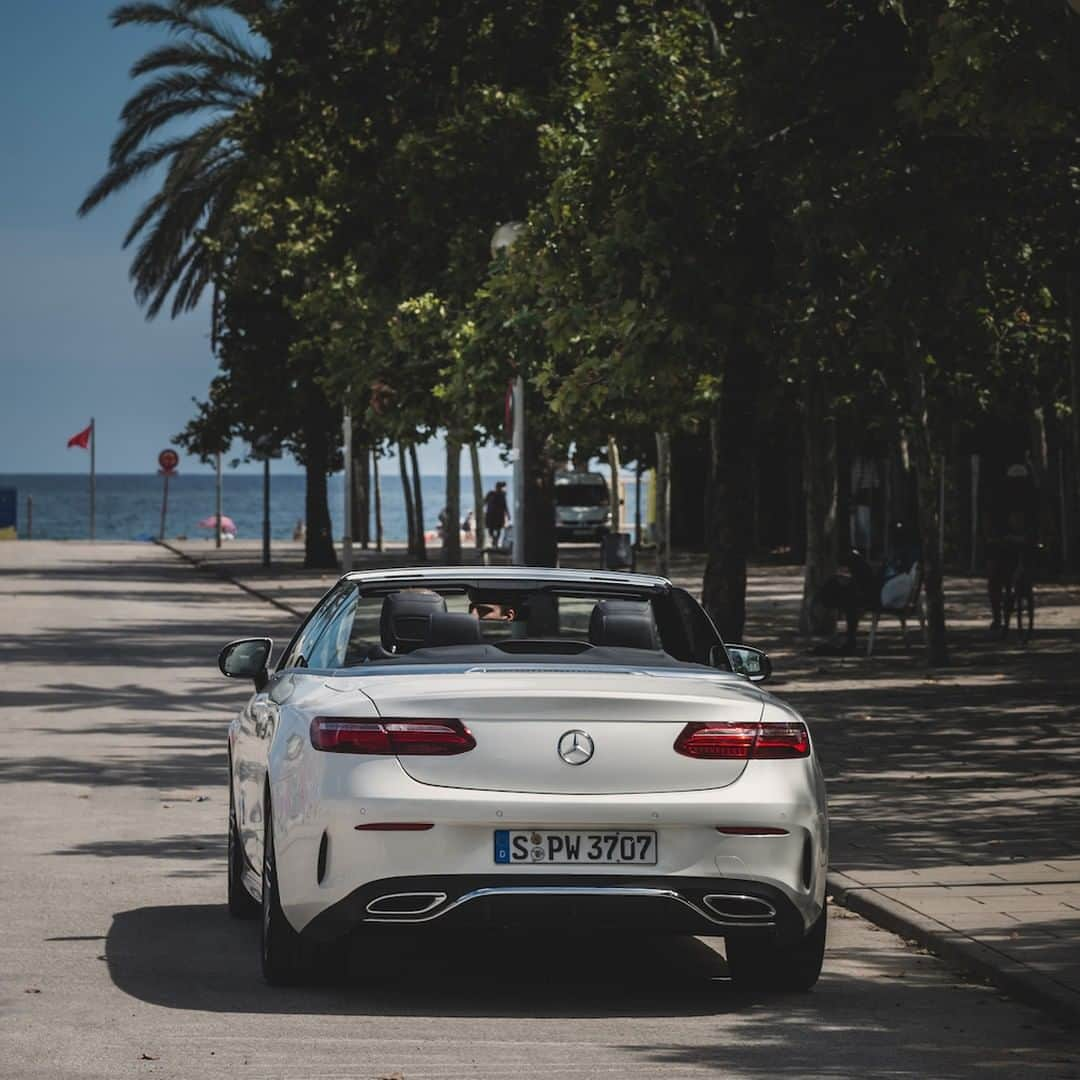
(242, 905)
(286, 957)
(757, 964)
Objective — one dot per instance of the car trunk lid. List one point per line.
(523, 721)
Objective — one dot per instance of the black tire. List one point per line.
(242, 905)
(757, 964)
(287, 959)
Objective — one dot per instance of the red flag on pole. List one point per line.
(82, 438)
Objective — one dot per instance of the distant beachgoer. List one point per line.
(467, 525)
(443, 522)
(496, 512)
(299, 532)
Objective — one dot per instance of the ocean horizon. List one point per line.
(129, 504)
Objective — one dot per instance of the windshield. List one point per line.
(581, 495)
(479, 623)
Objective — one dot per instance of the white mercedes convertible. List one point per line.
(514, 747)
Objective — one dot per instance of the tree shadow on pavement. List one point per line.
(976, 764)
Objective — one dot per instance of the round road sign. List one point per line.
(168, 460)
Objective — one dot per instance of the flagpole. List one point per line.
(93, 475)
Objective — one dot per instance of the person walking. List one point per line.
(496, 512)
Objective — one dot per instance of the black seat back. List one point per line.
(405, 618)
(624, 624)
(453, 628)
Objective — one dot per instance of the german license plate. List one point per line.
(559, 847)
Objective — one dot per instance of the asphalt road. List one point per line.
(117, 957)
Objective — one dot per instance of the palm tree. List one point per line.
(207, 71)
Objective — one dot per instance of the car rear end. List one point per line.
(509, 797)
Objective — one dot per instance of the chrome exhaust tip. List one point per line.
(738, 906)
(408, 903)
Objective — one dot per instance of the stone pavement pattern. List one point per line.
(117, 958)
(955, 797)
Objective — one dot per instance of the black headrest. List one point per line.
(626, 624)
(453, 628)
(403, 624)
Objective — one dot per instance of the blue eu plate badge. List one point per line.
(502, 845)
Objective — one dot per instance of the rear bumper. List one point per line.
(329, 871)
(644, 904)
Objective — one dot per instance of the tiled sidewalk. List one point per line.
(1018, 926)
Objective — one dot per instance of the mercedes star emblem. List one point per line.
(576, 747)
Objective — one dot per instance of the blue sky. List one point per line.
(73, 343)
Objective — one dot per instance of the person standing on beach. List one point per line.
(496, 512)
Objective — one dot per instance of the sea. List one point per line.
(129, 505)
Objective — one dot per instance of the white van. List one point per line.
(582, 506)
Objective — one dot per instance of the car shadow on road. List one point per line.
(196, 957)
(880, 1010)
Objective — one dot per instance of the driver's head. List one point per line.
(491, 611)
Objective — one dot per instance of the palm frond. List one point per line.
(208, 69)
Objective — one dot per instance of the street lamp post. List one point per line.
(502, 241)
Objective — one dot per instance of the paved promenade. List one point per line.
(955, 796)
(117, 958)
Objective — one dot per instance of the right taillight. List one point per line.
(729, 742)
(339, 735)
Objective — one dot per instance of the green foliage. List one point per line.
(815, 185)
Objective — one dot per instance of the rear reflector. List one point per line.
(749, 830)
(396, 826)
(743, 741)
(339, 735)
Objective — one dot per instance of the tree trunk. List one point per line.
(361, 503)
(451, 541)
(723, 592)
(418, 505)
(478, 497)
(539, 543)
(406, 490)
(819, 488)
(926, 465)
(663, 503)
(1073, 288)
(319, 551)
(1040, 460)
(614, 464)
(377, 482)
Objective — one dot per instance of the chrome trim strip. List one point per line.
(566, 890)
(769, 911)
(436, 899)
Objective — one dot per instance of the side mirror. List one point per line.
(247, 659)
(749, 662)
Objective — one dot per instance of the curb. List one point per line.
(226, 576)
(957, 949)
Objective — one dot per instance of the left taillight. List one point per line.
(743, 741)
(339, 735)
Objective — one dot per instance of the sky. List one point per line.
(73, 342)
